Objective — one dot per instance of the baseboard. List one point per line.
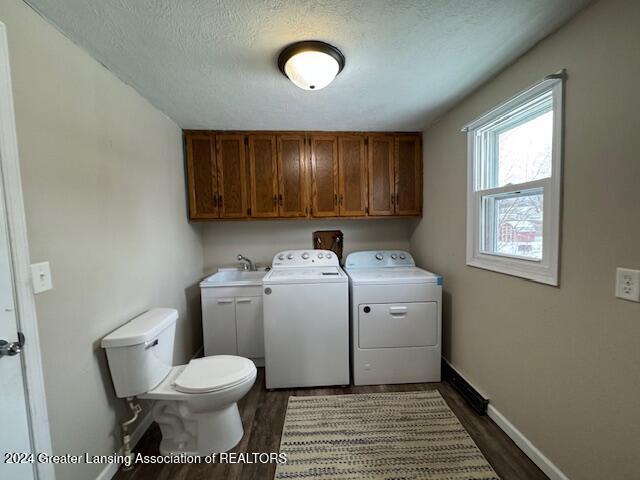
(523, 443)
(109, 471)
(471, 394)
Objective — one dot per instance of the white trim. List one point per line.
(26, 308)
(524, 444)
(516, 99)
(547, 270)
(109, 471)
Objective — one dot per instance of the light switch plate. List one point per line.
(41, 277)
(628, 284)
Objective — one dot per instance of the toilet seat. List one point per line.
(211, 374)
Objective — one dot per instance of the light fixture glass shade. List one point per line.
(311, 70)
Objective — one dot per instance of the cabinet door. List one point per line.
(352, 176)
(232, 176)
(381, 177)
(249, 327)
(203, 200)
(324, 175)
(263, 167)
(292, 174)
(219, 326)
(408, 169)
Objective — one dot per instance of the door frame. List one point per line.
(11, 191)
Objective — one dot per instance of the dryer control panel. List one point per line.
(305, 258)
(379, 259)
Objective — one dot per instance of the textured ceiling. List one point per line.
(212, 63)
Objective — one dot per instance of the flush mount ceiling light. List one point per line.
(311, 65)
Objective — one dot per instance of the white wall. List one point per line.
(105, 204)
(563, 364)
(260, 240)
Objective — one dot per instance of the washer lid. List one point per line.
(209, 374)
(395, 275)
(305, 275)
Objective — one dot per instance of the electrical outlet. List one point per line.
(628, 284)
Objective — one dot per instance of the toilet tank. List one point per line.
(140, 352)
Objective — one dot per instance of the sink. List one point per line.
(234, 278)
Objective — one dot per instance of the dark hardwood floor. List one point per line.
(263, 416)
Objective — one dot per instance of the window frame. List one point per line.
(545, 270)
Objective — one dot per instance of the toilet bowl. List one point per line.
(195, 404)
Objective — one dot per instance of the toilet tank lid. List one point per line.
(142, 328)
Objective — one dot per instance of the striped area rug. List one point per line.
(386, 436)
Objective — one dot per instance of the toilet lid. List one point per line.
(209, 374)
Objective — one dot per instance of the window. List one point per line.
(513, 197)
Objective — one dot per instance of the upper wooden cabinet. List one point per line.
(381, 167)
(352, 176)
(202, 177)
(263, 176)
(292, 176)
(232, 176)
(296, 174)
(324, 175)
(408, 169)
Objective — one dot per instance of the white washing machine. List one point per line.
(306, 320)
(396, 312)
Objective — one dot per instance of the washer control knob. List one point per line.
(394, 256)
(402, 256)
(329, 255)
(305, 256)
(379, 256)
(321, 255)
(281, 257)
(290, 256)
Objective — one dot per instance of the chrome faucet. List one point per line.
(250, 266)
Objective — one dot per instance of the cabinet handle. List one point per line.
(275, 199)
(220, 201)
(398, 310)
(392, 199)
(225, 300)
(280, 199)
(397, 199)
(335, 198)
(243, 300)
(340, 199)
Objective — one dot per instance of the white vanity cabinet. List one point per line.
(232, 321)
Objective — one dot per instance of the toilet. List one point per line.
(195, 404)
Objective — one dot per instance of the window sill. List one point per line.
(526, 269)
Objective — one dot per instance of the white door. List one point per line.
(249, 327)
(14, 421)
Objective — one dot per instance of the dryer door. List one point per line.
(386, 325)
